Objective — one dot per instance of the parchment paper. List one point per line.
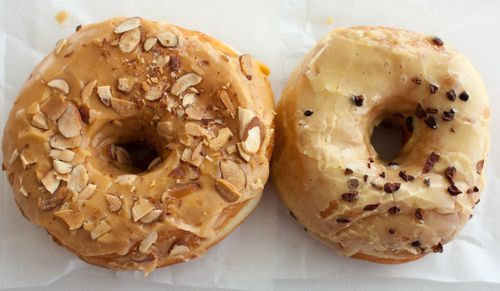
(269, 247)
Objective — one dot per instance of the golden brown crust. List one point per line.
(389, 261)
(329, 175)
(206, 110)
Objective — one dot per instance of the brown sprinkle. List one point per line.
(464, 96)
(358, 100)
(350, 196)
(371, 207)
(451, 95)
(453, 190)
(308, 112)
(348, 172)
(394, 210)
(406, 177)
(449, 115)
(427, 182)
(433, 88)
(430, 162)
(391, 187)
(365, 178)
(449, 173)
(418, 214)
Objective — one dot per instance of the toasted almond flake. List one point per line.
(129, 40)
(195, 112)
(151, 216)
(54, 107)
(50, 182)
(227, 190)
(179, 250)
(115, 203)
(122, 156)
(231, 149)
(128, 24)
(63, 177)
(224, 97)
(87, 91)
(141, 208)
(69, 124)
(60, 45)
(39, 121)
(222, 138)
(232, 172)
(168, 39)
(149, 43)
(60, 142)
(162, 61)
(252, 143)
(79, 179)
(244, 118)
(182, 189)
(127, 179)
(148, 242)
(246, 66)
(63, 155)
(54, 200)
(22, 190)
(124, 108)
(101, 229)
(104, 93)
(194, 129)
(13, 157)
(165, 129)
(184, 82)
(62, 167)
(246, 156)
(196, 157)
(126, 84)
(73, 219)
(60, 85)
(153, 94)
(87, 192)
(155, 163)
(27, 159)
(188, 99)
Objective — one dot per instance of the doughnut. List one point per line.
(139, 144)
(330, 176)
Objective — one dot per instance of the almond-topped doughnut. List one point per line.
(139, 144)
(331, 177)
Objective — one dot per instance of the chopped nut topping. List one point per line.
(104, 93)
(51, 202)
(231, 149)
(69, 124)
(114, 202)
(246, 66)
(227, 190)
(62, 167)
(430, 162)
(87, 91)
(124, 108)
(73, 219)
(252, 143)
(79, 179)
(129, 40)
(50, 182)
(149, 43)
(194, 129)
(27, 159)
(153, 94)
(61, 143)
(391, 187)
(222, 138)
(195, 112)
(101, 229)
(127, 179)
(54, 107)
(188, 99)
(65, 155)
(243, 153)
(182, 189)
(87, 192)
(141, 208)
(174, 63)
(60, 85)
(128, 24)
(224, 97)
(151, 216)
(232, 172)
(39, 121)
(184, 82)
(244, 118)
(168, 39)
(126, 84)
(179, 250)
(60, 45)
(13, 157)
(148, 242)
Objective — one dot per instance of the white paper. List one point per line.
(269, 247)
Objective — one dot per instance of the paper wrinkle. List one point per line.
(269, 248)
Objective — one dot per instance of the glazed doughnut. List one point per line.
(139, 144)
(330, 176)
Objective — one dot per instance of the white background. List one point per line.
(269, 250)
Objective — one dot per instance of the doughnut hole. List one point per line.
(390, 135)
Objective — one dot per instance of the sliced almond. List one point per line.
(54, 107)
(63, 155)
(246, 66)
(188, 99)
(252, 142)
(154, 163)
(104, 93)
(165, 129)
(60, 142)
(184, 82)
(70, 123)
(224, 97)
(227, 190)
(101, 229)
(193, 172)
(79, 179)
(148, 242)
(87, 91)
(50, 182)
(39, 121)
(153, 94)
(60, 85)
(246, 156)
(168, 39)
(124, 108)
(87, 192)
(141, 208)
(126, 84)
(128, 24)
(231, 149)
(54, 200)
(129, 40)
(122, 156)
(151, 216)
(195, 112)
(27, 159)
(149, 43)
(194, 129)
(63, 177)
(73, 219)
(182, 189)
(60, 45)
(115, 203)
(179, 250)
(127, 179)
(13, 157)
(244, 118)
(62, 167)
(196, 157)
(222, 138)
(232, 172)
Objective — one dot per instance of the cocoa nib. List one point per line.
(420, 112)
(427, 182)
(365, 178)
(451, 95)
(394, 210)
(430, 121)
(479, 167)
(418, 214)
(308, 112)
(449, 173)
(343, 220)
(174, 63)
(358, 100)
(409, 123)
(430, 162)
(433, 88)
(438, 248)
(453, 190)
(349, 196)
(348, 172)
(437, 41)
(406, 177)
(416, 244)
(448, 115)
(464, 96)
(371, 207)
(391, 187)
